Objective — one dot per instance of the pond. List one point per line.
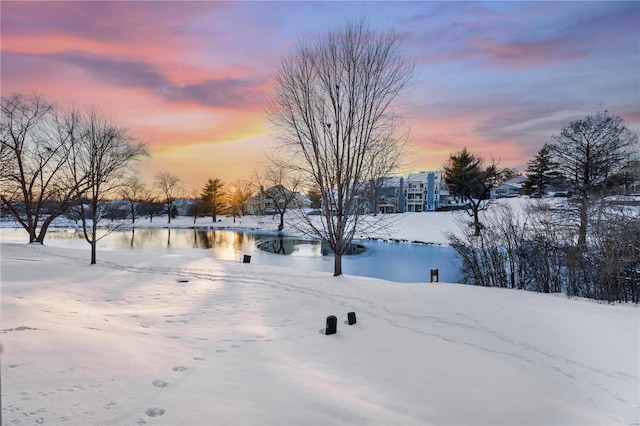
(400, 262)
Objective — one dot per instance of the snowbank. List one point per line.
(179, 338)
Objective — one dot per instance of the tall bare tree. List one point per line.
(334, 107)
(34, 180)
(101, 154)
(588, 152)
(170, 189)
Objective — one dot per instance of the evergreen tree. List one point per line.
(212, 197)
(541, 172)
(470, 180)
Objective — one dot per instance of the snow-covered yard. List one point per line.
(128, 342)
(182, 339)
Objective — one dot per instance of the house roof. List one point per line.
(423, 176)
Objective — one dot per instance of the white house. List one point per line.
(266, 205)
(510, 188)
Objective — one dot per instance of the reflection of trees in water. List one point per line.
(135, 238)
(298, 247)
(237, 241)
(204, 239)
(173, 238)
(212, 238)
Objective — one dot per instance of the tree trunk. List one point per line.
(41, 234)
(476, 223)
(337, 265)
(584, 217)
(32, 236)
(93, 251)
(94, 229)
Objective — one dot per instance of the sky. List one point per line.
(192, 79)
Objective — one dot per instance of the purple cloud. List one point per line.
(227, 93)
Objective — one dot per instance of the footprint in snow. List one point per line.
(180, 368)
(160, 383)
(154, 412)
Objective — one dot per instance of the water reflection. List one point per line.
(390, 261)
(174, 238)
(291, 246)
(302, 247)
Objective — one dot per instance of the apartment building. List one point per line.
(390, 197)
(425, 191)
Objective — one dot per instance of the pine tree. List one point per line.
(212, 197)
(470, 180)
(541, 172)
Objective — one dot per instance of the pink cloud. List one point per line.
(528, 54)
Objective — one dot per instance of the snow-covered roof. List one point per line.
(424, 176)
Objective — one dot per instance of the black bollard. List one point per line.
(351, 318)
(332, 325)
(246, 259)
(434, 275)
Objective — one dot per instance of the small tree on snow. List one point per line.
(471, 180)
(541, 172)
(101, 153)
(279, 185)
(170, 189)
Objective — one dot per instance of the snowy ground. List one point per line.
(183, 339)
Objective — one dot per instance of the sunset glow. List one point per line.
(191, 79)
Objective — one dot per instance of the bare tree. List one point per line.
(151, 205)
(333, 105)
(134, 192)
(101, 154)
(196, 207)
(588, 152)
(278, 186)
(34, 180)
(169, 186)
(237, 195)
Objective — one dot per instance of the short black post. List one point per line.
(332, 325)
(351, 318)
(246, 259)
(434, 275)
